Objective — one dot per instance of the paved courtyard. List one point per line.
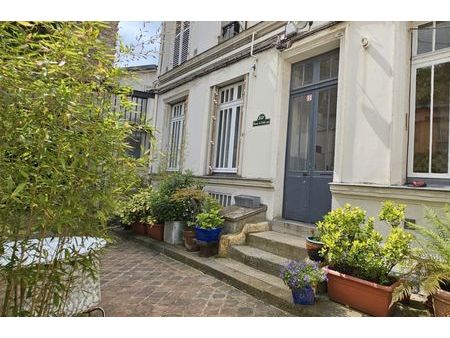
(137, 281)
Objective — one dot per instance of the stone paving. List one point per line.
(137, 281)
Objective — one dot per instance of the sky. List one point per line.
(142, 38)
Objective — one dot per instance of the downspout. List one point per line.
(253, 55)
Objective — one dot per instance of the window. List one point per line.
(137, 115)
(181, 45)
(227, 131)
(430, 102)
(230, 29)
(224, 200)
(175, 135)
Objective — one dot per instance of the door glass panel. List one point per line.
(299, 132)
(442, 35)
(329, 66)
(325, 130)
(422, 120)
(439, 155)
(302, 74)
(425, 38)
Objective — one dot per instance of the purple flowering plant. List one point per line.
(300, 275)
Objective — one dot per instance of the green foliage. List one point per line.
(352, 246)
(429, 264)
(138, 208)
(167, 206)
(191, 200)
(210, 217)
(63, 163)
(392, 213)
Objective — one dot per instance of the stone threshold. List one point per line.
(269, 292)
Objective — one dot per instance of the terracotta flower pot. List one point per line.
(190, 243)
(369, 297)
(139, 228)
(156, 231)
(441, 303)
(312, 248)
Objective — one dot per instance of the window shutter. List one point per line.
(185, 44)
(213, 124)
(176, 47)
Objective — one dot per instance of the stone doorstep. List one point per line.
(295, 228)
(280, 244)
(254, 282)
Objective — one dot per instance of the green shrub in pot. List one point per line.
(352, 245)
(429, 264)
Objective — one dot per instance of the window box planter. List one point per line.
(441, 303)
(139, 228)
(313, 247)
(368, 297)
(156, 231)
(208, 235)
(173, 232)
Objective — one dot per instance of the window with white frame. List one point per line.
(227, 131)
(430, 101)
(181, 44)
(175, 135)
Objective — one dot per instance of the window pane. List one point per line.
(236, 135)
(442, 35)
(299, 134)
(439, 155)
(325, 130)
(422, 120)
(425, 38)
(302, 75)
(325, 69)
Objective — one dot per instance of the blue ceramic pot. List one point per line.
(207, 235)
(303, 296)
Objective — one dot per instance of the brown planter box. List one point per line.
(441, 303)
(369, 297)
(139, 228)
(156, 231)
(190, 243)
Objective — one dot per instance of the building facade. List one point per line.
(307, 115)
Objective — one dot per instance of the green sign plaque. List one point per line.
(261, 121)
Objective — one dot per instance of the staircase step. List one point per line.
(280, 244)
(258, 259)
(295, 228)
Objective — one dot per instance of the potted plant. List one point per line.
(192, 200)
(135, 209)
(176, 208)
(302, 278)
(429, 264)
(359, 262)
(314, 246)
(209, 223)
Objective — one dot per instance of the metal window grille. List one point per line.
(231, 29)
(181, 44)
(228, 128)
(138, 115)
(224, 200)
(175, 135)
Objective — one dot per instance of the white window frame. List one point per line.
(224, 136)
(176, 128)
(182, 36)
(427, 59)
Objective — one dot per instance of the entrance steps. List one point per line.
(295, 228)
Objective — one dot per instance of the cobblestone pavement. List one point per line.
(137, 281)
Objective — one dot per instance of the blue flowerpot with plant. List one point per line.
(302, 278)
(305, 296)
(209, 222)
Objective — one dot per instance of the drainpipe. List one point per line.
(253, 55)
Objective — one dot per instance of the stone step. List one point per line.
(280, 244)
(258, 259)
(299, 229)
